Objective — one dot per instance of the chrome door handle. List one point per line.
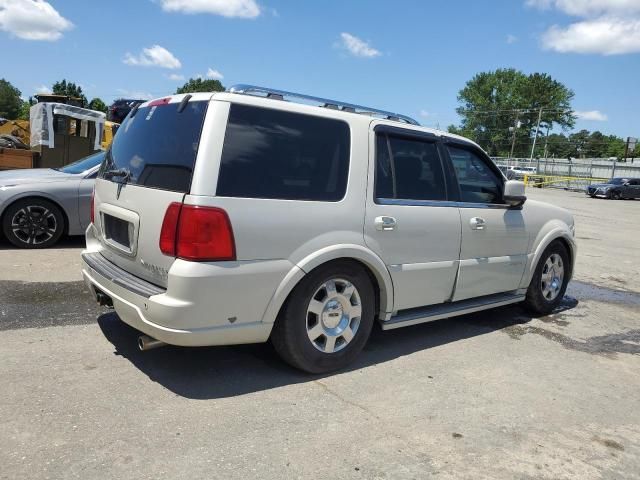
(385, 224)
(477, 223)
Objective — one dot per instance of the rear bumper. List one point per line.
(206, 316)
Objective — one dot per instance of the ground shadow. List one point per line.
(66, 241)
(218, 372)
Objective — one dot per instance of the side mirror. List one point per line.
(514, 193)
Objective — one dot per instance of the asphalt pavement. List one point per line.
(496, 394)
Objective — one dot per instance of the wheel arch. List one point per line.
(560, 234)
(36, 195)
(371, 264)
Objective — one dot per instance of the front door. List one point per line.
(409, 221)
(494, 246)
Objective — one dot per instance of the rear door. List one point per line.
(410, 222)
(494, 246)
(148, 166)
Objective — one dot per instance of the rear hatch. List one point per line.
(148, 166)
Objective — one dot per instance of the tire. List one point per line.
(317, 316)
(546, 289)
(42, 223)
(615, 196)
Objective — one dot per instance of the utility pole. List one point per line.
(546, 143)
(536, 136)
(515, 129)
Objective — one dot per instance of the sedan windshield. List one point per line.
(83, 164)
(617, 181)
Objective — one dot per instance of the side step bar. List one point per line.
(413, 316)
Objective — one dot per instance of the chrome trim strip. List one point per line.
(438, 203)
(324, 102)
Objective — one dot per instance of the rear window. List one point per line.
(157, 147)
(282, 155)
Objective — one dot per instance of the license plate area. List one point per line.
(118, 233)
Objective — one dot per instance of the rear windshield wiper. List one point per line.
(117, 173)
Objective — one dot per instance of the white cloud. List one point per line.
(32, 20)
(176, 77)
(225, 8)
(43, 89)
(358, 47)
(214, 74)
(608, 27)
(592, 115)
(606, 36)
(155, 56)
(137, 94)
(588, 8)
(511, 39)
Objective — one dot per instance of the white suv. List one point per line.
(257, 214)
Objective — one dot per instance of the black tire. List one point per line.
(615, 196)
(42, 221)
(536, 301)
(290, 337)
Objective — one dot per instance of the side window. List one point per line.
(276, 154)
(408, 169)
(478, 182)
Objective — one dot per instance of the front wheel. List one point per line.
(615, 195)
(33, 223)
(549, 281)
(327, 319)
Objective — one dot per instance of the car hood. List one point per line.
(32, 175)
(599, 185)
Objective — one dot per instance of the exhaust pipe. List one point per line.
(145, 342)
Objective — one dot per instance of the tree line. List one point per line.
(504, 110)
(501, 110)
(13, 107)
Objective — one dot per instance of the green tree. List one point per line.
(69, 89)
(493, 103)
(10, 101)
(200, 85)
(98, 104)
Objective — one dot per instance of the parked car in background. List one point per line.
(39, 205)
(520, 172)
(304, 224)
(120, 108)
(615, 189)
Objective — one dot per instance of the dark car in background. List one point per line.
(121, 107)
(615, 189)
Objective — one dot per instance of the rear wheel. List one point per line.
(33, 223)
(327, 319)
(549, 281)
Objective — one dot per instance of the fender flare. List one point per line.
(556, 233)
(327, 254)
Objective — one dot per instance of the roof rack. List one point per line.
(322, 102)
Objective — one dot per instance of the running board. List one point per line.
(413, 316)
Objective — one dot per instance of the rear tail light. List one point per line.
(197, 233)
(93, 206)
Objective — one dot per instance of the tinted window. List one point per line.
(158, 146)
(478, 182)
(408, 169)
(276, 154)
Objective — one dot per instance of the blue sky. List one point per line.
(409, 56)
